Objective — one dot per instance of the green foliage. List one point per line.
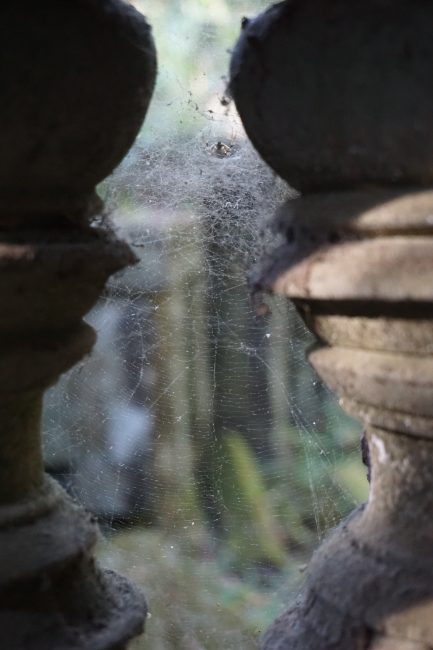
(313, 482)
(252, 533)
(192, 604)
(353, 476)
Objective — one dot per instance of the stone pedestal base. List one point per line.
(46, 545)
(364, 284)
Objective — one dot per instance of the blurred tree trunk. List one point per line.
(176, 491)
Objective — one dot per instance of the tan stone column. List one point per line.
(76, 79)
(337, 97)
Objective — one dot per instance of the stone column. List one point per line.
(337, 97)
(76, 81)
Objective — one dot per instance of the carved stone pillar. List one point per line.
(337, 97)
(76, 79)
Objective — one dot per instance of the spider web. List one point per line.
(197, 421)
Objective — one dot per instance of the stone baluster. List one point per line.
(337, 97)
(76, 82)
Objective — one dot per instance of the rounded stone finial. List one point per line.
(337, 94)
(79, 76)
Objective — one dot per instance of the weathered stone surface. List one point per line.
(373, 574)
(392, 643)
(400, 382)
(398, 245)
(79, 605)
(395, 420)
(385, 334)
(378, 211)
(76, 82)
(336, 94)
(401, 268)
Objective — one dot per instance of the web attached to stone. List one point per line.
(196, 431)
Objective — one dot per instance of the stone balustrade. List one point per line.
(336, 96)
(77, 78)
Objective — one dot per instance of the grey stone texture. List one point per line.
(336, 95)
(77, 78)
